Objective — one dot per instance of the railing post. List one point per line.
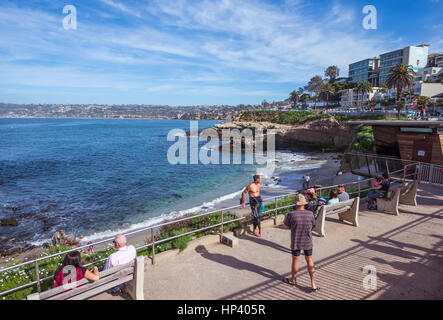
(369, 166)
(153, 245)
(37, 275)
(431, 171)
(221, 227)
(276, 211)
(387, 166)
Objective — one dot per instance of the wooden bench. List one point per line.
(390, 205)
(131, 274)
(408, 194)
(346, 210)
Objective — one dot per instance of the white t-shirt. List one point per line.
(123, 255)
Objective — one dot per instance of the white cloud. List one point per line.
(172, 45)
(121, 7)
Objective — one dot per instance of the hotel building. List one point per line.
(365, 70)
(376, 70)
(417, 57)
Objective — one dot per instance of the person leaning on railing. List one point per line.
(72, 261)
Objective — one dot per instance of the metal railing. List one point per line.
(370, 165)
(354, 189)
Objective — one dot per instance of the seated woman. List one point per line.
(312, 199)
(333, 197)
(380, 191)
(73, 259)
(377, 182)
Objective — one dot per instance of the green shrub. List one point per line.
(364, 140)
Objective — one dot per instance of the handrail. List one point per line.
(151, 228)
(425, 172)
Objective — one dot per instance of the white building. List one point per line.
(415, 56)
(428, 89)
(351, 98)
(427, 74)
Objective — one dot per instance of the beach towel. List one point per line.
(262, 210)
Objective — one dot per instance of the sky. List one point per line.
(194, 52)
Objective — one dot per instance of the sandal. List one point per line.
(288, 281)
(316, 289)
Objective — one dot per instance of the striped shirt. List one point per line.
(301, 222)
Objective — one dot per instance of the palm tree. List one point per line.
(295, 97)
(364, 87)
(400, 77)
(316, 99)
(328, 90)
(409, 96)
(422, 103)
(332, 72)
(305, 97)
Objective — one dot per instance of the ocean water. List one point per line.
(97, 177)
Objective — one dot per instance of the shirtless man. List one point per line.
(255, 201)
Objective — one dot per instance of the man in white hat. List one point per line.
(301, 222)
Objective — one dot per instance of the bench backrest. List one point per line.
(84, 288)
(339, 207)
(394, 189)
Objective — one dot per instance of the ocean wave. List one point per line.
(206, 206)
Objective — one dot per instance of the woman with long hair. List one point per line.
(333, 197)
(72, 262)
(312, 199)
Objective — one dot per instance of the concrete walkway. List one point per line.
(406, 250)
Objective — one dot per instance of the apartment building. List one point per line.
(417, 57)
(351, 98)
(376, 70)
(365, 70)
(435, 60)
(427, 74)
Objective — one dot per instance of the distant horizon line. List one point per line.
(137, 104)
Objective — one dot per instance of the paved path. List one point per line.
(407, 251)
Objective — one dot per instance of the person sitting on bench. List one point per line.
(380, 191)
(72, 263)
(123, 255)
(333, 197)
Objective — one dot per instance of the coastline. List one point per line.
(322, 167)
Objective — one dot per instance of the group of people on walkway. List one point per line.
(300, 222)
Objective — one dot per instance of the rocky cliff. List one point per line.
(319, 134)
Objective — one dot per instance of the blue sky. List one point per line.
(192, 52)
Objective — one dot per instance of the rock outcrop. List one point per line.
(11, 222)
(316, 134)
(60, 238)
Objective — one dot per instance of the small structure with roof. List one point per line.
(420, 141)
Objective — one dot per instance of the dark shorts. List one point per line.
(296, 253)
